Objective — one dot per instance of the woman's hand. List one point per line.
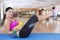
(9, 32)
(15, 29)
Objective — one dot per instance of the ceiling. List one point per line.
(30, 3)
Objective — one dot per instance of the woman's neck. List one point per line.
(10, 18)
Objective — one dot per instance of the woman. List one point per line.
(9, 19)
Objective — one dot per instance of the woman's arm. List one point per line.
(42, 17)
(7, 26)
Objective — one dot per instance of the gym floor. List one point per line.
(42, 31)
(41, 27)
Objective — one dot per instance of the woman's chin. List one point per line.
(10, 17)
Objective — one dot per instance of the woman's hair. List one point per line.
(15, 14)
(4, 16)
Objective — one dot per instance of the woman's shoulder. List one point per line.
(6, 21)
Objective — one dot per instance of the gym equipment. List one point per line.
(33, 36)
(28, 27)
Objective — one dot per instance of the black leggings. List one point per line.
(28, 27)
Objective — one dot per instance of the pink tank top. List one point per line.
(13, 24)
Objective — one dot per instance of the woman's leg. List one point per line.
(28, 27)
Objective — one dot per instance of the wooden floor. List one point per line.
(47, 27)
(41, 27)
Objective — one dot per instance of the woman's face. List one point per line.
(10, 13)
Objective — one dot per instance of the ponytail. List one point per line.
(3, 19)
